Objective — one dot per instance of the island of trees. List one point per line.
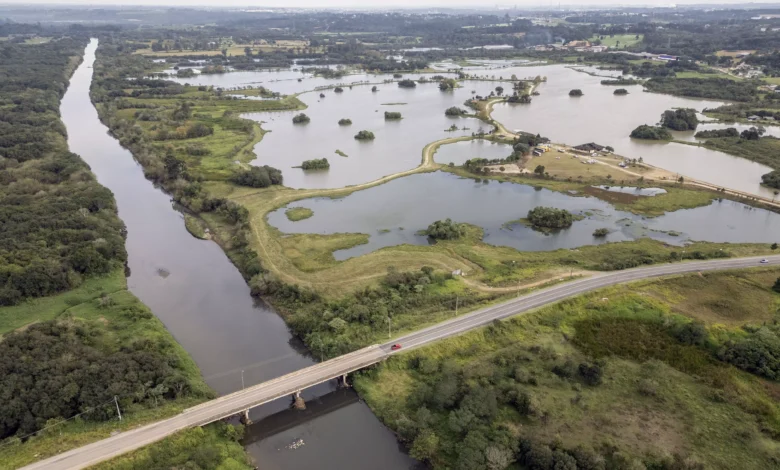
(345, 122)
(364, 135)
(316, 164)
(258, 177)
(300, 118)
(575, 92)
(392, 115)
(683, 119)
(445, 230)
(651, 133)
(407, 83)
(717, 133)
(620, 91)
(455, 111)
(447, 84)
(550, 217)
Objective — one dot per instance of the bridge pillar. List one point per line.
(298, 402)
(244, 419)
(343, 381)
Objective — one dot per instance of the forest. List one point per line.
(57, 224)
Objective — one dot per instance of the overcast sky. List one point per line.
(378, 3)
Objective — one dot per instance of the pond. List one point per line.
(397, 146)
(394, 212)
(600, 116)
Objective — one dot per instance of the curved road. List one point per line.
(286, 385)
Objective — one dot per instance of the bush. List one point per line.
(406, 83)
(338, 89)
(601, 232)
(729, 132)
(575, 92)
(772, 179)
(316, 164)
(776, 287)
(550, 217)
(300, 119)
(258, 177)
(392, 115)
(620, 91)
(364, 135)
(445, 230)
(455, 111)
(651, 133)
(345, 122)
(759, 354)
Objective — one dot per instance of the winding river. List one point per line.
(201, 297)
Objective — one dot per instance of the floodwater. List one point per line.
(458, 152)
(397, 146)
(200, 296)
(606, 119)
(394, 212)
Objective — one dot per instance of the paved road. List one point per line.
(288, 384)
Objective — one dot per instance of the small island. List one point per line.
(364, 135)
(294, 214)
(392, 115)
(455, 111)
(651, 133)
(445, 230)
(406, 83)
(620, 91)
(300, 119)
(316, 164)
(683, 119)
(550, 218)
(345, 122)
(601, 232)
(576, 92)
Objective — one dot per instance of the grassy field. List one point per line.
(103, 302)
(656, 398)
(707, 75)
(618, 40)
(765, 150)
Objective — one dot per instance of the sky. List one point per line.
(378, 3)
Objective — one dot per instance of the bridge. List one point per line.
(291, 384)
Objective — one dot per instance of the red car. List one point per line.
(395, 347)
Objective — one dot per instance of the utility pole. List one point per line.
(242, 379)
(116, 402)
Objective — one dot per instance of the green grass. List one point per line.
(715, 74)
(48, 308)
(313, 252)
(658, 396)
(624, 39)
(196, 227)
(295, 214)
(765, 150)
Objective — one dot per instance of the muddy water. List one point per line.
(200, 296)
(394, 212)
(397, 146)
(606, 119)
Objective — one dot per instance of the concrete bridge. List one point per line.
(239, 403)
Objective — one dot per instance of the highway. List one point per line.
(286, 385)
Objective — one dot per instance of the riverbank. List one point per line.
(567, 380)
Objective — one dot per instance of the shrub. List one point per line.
(575, 92)
(316, 164)
(620, 91)
(454, 111)
(364, 135)
(301, 119)
(601, 232)
(406, 83)
(550, 217)
(258, 177)
(338, 89)
(345, 122)
(651, 133)
(445, 230)
(392, 115)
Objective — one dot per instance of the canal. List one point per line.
(201, 297)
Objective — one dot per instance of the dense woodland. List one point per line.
(57, 224)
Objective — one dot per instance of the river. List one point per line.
(202, 299)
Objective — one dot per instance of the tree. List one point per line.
(499, 90)
(773, 246)
(374, 88)
(682, 119)
(539, 170)
(497, 457)
(455, 111)
(601, 232)
(392, 115)
(364, 135)
(248, 51)
(550, 217)
(445, 230)
(575, 92)
(345, 122)
(776, 287)
(425, 445)
(300, 119)
(651, 133)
